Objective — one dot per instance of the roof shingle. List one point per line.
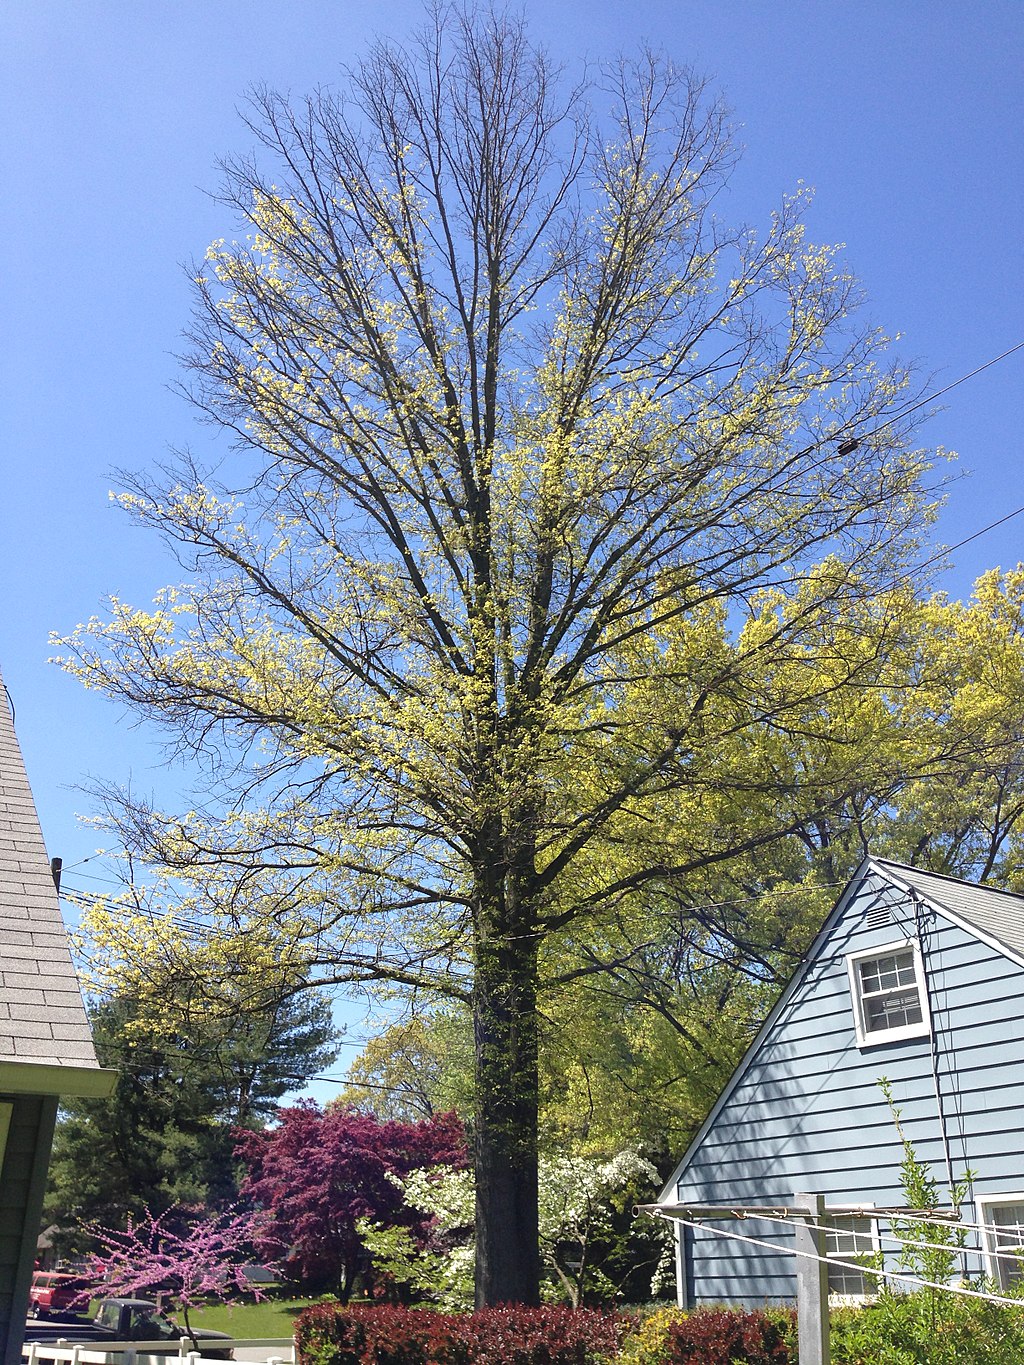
(997, 914)
(35, 962)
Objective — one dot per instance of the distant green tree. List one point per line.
(416, 1068)
(165, 1135)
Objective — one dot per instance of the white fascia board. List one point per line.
(966, 925)
(34, 1078)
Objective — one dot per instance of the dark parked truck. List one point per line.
(130, 1320)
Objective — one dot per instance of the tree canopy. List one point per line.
(927, 757)
(547, 497)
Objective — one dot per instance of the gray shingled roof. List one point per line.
(42, 1017)
(997, 914)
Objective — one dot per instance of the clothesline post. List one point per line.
(812, 1282)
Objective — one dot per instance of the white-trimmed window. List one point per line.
(889, 998)
(849, 1238)
(1002, 1219)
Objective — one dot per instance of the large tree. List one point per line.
(516, 424)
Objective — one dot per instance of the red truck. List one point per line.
(55, 1291)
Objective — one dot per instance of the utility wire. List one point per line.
(100, 853)
(976, 535)
(930, 398)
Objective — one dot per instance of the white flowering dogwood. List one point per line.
(578, 1200)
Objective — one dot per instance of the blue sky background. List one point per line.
(906, 117)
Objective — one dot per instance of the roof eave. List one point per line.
(967, 925)
(52, 1078)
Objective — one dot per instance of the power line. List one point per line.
(136, 1069)
(955, 384)
(923, 402)
(948, 549)
(100, 853)
(911, 408)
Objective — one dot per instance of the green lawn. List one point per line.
(271, 1318)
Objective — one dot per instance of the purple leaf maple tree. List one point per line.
(319, 1171)
(188, 1256)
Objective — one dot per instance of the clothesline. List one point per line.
(1014, 1256)
(900, 1276)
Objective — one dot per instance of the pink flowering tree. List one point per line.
(186, 1255)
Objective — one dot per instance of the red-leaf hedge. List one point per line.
(716, 1336)
(328, 1334)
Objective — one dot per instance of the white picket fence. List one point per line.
(269, 1350)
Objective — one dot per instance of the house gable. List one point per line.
(804, 1110)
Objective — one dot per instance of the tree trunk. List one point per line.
(505, 1129)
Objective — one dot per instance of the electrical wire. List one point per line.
(100, 853)
(400, 1090)
(967, 539)
(923, 402)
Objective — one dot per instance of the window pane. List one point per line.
(892, 1011)
(848, 1240)
(848, 1282)
(886, 973)
(848, 1235)
(1007, 1235)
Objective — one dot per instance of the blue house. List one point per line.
(915, 977)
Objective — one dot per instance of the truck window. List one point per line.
(150, 1327)
(109, 1316)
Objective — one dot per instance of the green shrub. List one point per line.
(902, 1329)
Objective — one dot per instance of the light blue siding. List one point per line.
(805, 1111)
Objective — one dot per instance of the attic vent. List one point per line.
(878, 917)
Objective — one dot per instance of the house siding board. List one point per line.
(22, 1182)
(985, 1109)
(806, 1112)
(723, 1277)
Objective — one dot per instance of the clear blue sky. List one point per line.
(906, 117)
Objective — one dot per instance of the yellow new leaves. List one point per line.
(531, 589)
(180, 964)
